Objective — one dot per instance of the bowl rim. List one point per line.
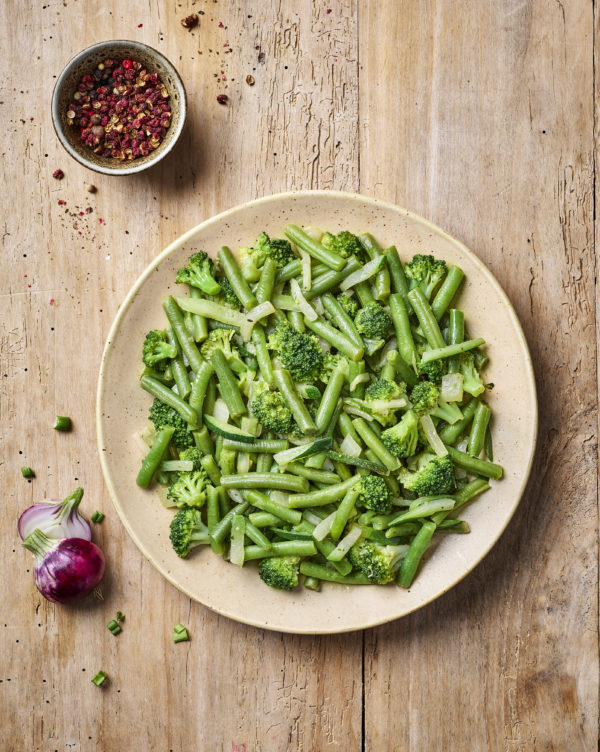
(274, 198)
(131, 168)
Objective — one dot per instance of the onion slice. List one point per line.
(350, 446)
(260, 311)
(56, 519)
(432, 436)
(363, 274)
(321, 531)
(306, 261)
(302, 302)
(452, 387)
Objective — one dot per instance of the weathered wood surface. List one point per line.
(481, 119)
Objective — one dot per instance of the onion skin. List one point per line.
(65, 570)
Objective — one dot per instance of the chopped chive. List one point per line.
(97, 516)
(113, 627)
(62, 423)
(100, 678)
(27, 472)
(180, 633)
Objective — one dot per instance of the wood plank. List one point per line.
(231, 687)
(493, 115)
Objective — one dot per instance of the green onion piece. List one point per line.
(113, 626)
(27, 472)
(62, 423)
(100, 678)
(97, 516)
(180, 633)
(119, 616)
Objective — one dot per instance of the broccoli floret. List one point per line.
(330, 363)
(424, 272)
(382, 389)
(300, 353)
(189, 489)
(434, 475)
(280, 572)
(424, 396)
(220, 339)
(157, 350)
(402, 439)
(188, 531)
(199, 273)
(192, 454)
(448, 411)
(278, 249)
(349, 304)
(374, 494)
(345, 244)
(162, 415)
(377, 562)
(472, 383)
(433, 371)
(272, 411)
(373, 321)
(228, 296)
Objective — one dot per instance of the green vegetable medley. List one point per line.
(319, 407)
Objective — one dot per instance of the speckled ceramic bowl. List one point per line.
(122, 409)
(85, 62)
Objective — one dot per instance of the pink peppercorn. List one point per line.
(58, 174)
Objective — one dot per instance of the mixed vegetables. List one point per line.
(318, 407)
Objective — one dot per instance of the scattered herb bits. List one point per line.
(180, 633)
(62, 423)
(114, 627)
(27, 472)
(119, 617)
(97, 517)
(99, 679)
(322, 408)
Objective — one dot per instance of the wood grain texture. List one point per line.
(483, 122)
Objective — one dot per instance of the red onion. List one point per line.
(65, 569)
(56, 519)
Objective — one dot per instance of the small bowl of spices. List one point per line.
(119, 107)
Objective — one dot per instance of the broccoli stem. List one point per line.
(199, 387)
(152, 460)
(451, 433)
(277, 481)
(456, 335)
(382, 278)
(315, 249)
(266, 283)
(222, 528)
(397, 274)
(450, 350)
(228, 384)
(475, 465)
(341, 319)
(166, 395)
(335, 338)
(447, 291)
(270, 446)
(281, 548)
(331, 279)
(372, 440)
(404, 337)
(343, 513)
(295, 403)
(419, 545)
(233, 273)
(310, 569)
(427, 320)
(323, 496)
(331, 398)
(478, 429)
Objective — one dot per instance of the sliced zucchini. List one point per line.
(226, 430)
(304, 450)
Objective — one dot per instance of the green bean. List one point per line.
(211, 397)
(323, 496)
(319, 268)
(188, 345)
(347, 428)
(178, 369)
(481, 359)
(310, 569)
(222, 528)
(475, 465)
(264, 463)
(343, 513)
(281, 548)
(450, 350)
(203, 441)
(397, 274)
(409, 565)
(228, 461)
(228, 385)
(331, 398)
(466, 493)
(211, 468)
(312, 583)
(382, 278)
(315, 249)
(404, 529)
(425, 508)
(296, 319)
(368, 435)
(166, 395)
(213, 515)
(317, 476)
(165, 378)
(236, 278)
(488, 445)
(152, 460)
(263, 519)
(264, 286)
(199, 388)
(299, 410)
(199, 325)
(257, 535)
(404, 337)
(289, 271)
(354, 370)
(325, 546)
(451, 433)
(278, 481)
(331, 279)
(342, 470)
(427, 320)
(388, 372)
(447, 291)
(225, 504)
(401, 367)
(478, 429)
(262, 354)
(456, 335)
(341, 319)
(266, 504)
(364, 293)
(270, 446)
(335, 338)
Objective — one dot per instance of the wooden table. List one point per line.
(479, 116)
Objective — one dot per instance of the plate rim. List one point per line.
(273, 198)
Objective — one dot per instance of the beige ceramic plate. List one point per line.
(122, 409)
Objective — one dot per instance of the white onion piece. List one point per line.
(360, 379)
(363, 274)
(220, 410)
(260, 311)
(318, 305)
(350, 446)
(432, 436)
(346, 543)
(452, 387)
(306, 261)
(462, 447)
(177, 466)
(285, 302)
(314, 232)
(321, 531)
(236, 548)
(246, 328)
(302, 302)
(387, 405)
(140, 443)
(235, 495)
(281, 497)
(212, 310)
(243, 463)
